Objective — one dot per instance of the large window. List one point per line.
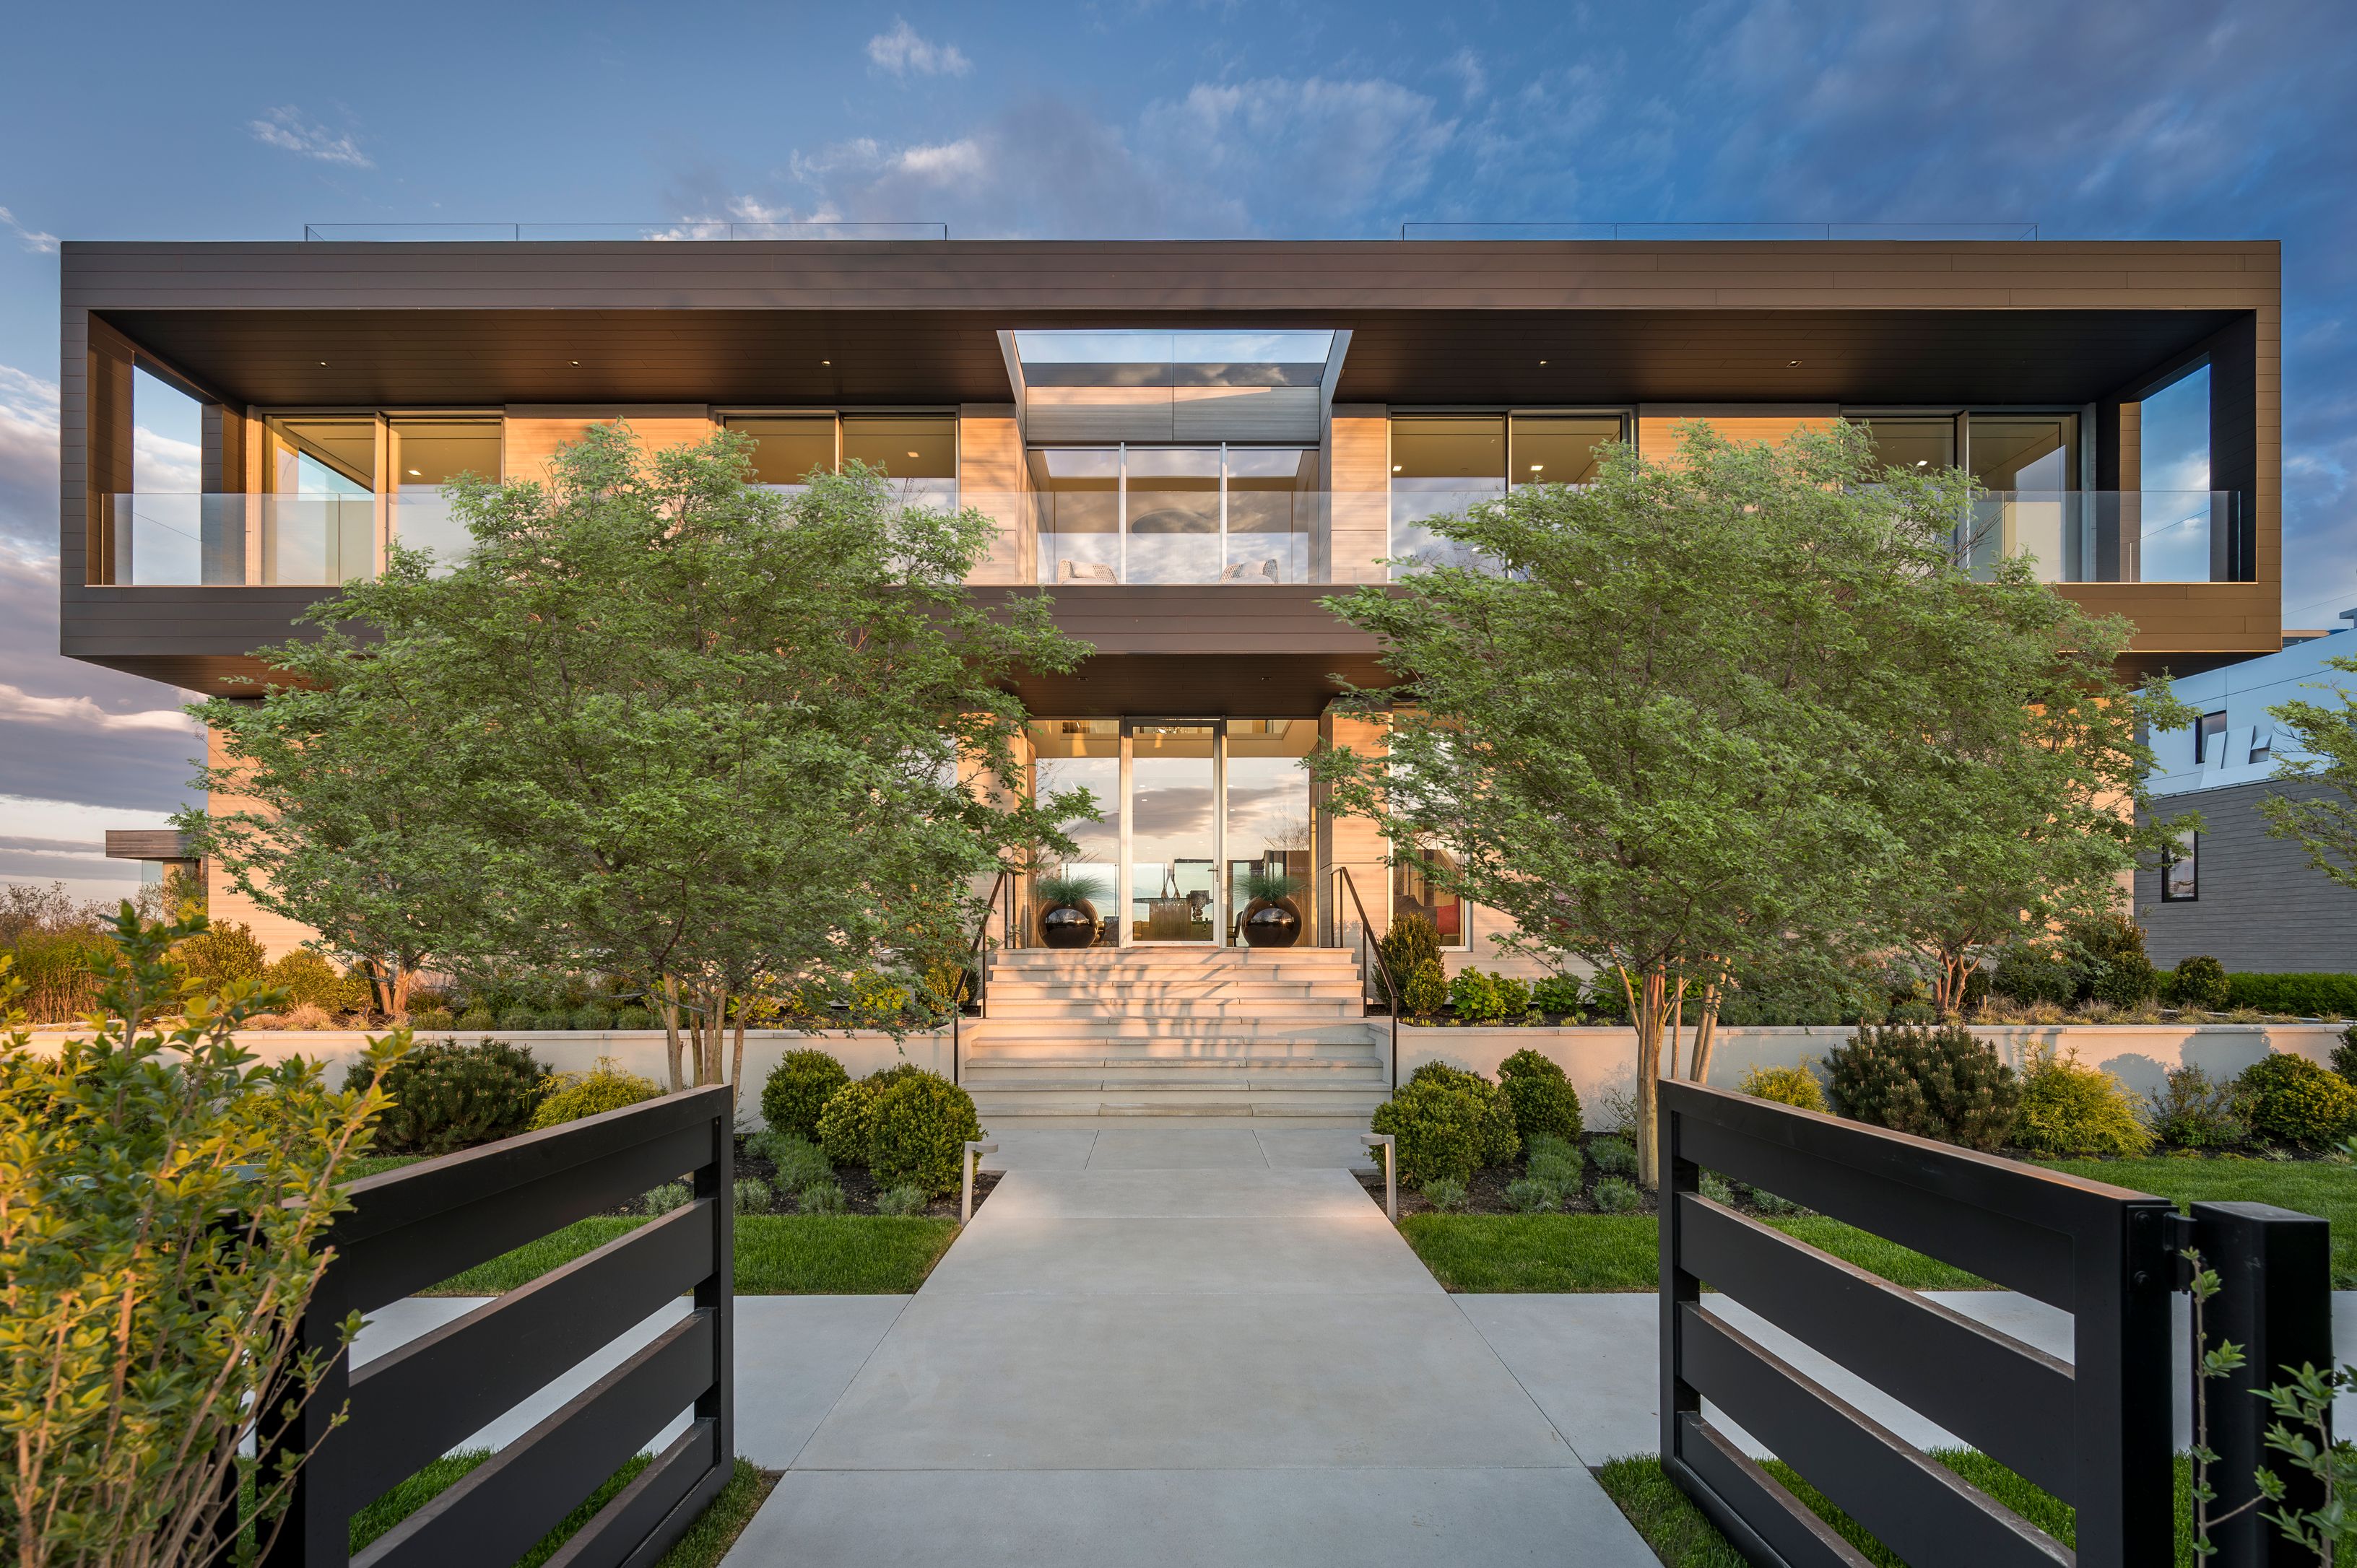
(2180, 869)
(1925, 442)
(1442, 463)
(318, 522)
(917, 452)
(1175, 514)
(425, 454)
(1416, 890)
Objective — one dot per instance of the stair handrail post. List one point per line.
(979, 952)
(1366, 927)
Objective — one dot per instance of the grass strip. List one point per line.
(707, 1541)
(2307, 1186)
(1682, 1537)
(1594, 1252)
(777, 1254)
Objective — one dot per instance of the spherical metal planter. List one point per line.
(1271, 924)
(1070, 925)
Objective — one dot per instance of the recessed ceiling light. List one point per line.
(1542, 361)
(827, 361)
(912, 454)
(323, 363)
(1536, 466)
(1397, 466)
(415, 474)
(577, 361)
(1923, 462)
(1791, 361)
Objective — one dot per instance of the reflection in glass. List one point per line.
(1916, 443)
(331, 463)
(1079, 504)
(1082, 754)
(788, 448)
(1440, 467)
(1414, 892)
(1172, 509)
(1268, 810)
(2035, 457)
(1173, 894)
(425, 455)
(1554, 449)
(2025, 452)
(917, 451)
(1272, 515)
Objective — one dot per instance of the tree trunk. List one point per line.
(670, 1029)
(736, 1068)
(1705, 1033)
(1677, 1021)
(397, 1005)
(1649, 1014)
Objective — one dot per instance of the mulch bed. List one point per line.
(1486, 1193)
(859, 1189)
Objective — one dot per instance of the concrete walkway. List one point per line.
(1180, 1348)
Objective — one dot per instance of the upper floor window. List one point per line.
(1175, 514)
(422, 455)
(2208, 736)
(2180, 869)
(917, 452)
(1442, 463)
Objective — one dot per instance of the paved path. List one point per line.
(1182, 1348)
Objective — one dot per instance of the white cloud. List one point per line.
(33, 240)
(165, 465)
(903, 53)
(290, 129)
(29, 461)
(21, 706)
(1473, 81)
(1334, 148)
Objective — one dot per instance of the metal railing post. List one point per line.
(973, 1153)
(2274, 1301)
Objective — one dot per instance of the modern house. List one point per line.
(2230, 889)
(1188, 445)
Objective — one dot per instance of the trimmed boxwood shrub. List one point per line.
(917, 1132)
(1794, 1086)
(1426, 990)
(306, 977)
(2067, 1108)
(2199, 984)
(2295, 1101)
(1499, 1141)
(2304, 995)
(593, 1093)
(798, 1088)
(1933, 1083)
(448, 1096)
(433, 1018)
(1542, 1098)
(1449, 1122)
(843, 1120)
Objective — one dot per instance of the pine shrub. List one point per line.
(446, 1096)
(917, 1132)
(1425, 991)
(2198, 983)
(2070, 1110)
(2194, 1111)
(1412, 943)
(798, 1088)
(593, 1093)
(1794, 1086)
(2295, 1101)
(1931, 1082)
(1542, 1098)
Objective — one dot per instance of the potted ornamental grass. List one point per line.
(1067, 919)
(1271, 918)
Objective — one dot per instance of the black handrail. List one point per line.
(1391, 988)
(981, 961)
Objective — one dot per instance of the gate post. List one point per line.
(2274, 1301)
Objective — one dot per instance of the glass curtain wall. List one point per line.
(1081, 754)
(916, 452)
(1173, 822)
(424, 454)
(1267, 797)
(1443, 464)
(2031, 461)
(318, 516)
(1175, 514)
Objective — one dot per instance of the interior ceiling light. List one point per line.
(1397, 466)
(1536, 466)
(827, 361)
(1791, 361)
(323, 364)
(912, 454)
(1542, 361)
(415, 474)
(577, 361)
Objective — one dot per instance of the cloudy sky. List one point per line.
(2100, 118)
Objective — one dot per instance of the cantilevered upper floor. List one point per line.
(1189, 441)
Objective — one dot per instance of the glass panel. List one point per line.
(1413, 892)
(788, 448)
(2180, 869)
(324, 528)
(1173, 507)
(1440, 467)
(1554, 449)
(2025, 452)
(167, 438)
(1927, 442)
(425, 456)
(1268, 812)
(1193, 359)
(919, 451)
(1173, 896)
(1082, 754)
(1272, 515)
(1079, 500)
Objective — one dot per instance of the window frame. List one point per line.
(2170, 860)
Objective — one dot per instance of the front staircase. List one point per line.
(1196, 1032)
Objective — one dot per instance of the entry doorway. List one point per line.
(1188, 809)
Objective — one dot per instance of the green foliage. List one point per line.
(1529, 1195)
(221, 955)
(430, 1019)
(1557, 994)
(1426, 990)
(917, 1132)
(163, 1198)
(590, 1015)
(2194, 1111)
(633, 1018)
(311, 980)
(1933, 1083)
(2300, 995)
(1499, 1141)
(1542, 1098)
(798, 1088)
(1513, 994)
(1412, 943)
(1263, 885)
(1449, 1122)
(1446, 1194)
(2114, 967)
(754, 1196)
(2323, 826)
(2344, 1055)
(797, 1162)
(2295, 1101)
(2302, 1433)
(61, 972)
(446, 1096)
(907, 1199)
(1474, 998)
(1064, 889)
(479, 1017)
(1557, 1162)
(519, 1018)
(1614, 1195)
(593, 1093)
(670, 1195)
(1613, 1156)
(2198, 983)
(824, 1197)
(2067, 1108)
(2030, 972)
(842, 1124)
(556, 1019)
(1794, 1086)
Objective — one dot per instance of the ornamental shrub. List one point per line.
(843, 1129)
(1931, 1082)
(2032, 972)
(590, 1015)
(1557, 994)
(61, 972)
(2301, 996)
(754, 1197)
(446, 1096)
(798, 1088)
(1425, 991)
(220, 954)
(633, 1018)
(432, 1018)
(2112, 964)
(607, 1088)
(1444, 1195)
(2344, 1055)
(1614, 1157)
(307, 978)
(1514, 995)
(519, 1018)
(1528, 1195)
(1556, 1163)
(824, 1198)
(1412, 943)
(2194, 1111)
(2295, 1101)
(797, 1161)
(2198, 983)
(1615, 1196)
(1474, 998)
(1499, 1141)
(906, 1199)
(2068, 1110)
(917, 1132)
(1607, 997)
(478, 1017)
(670, 1195)
(1794, 1086)
(1542, 1098)
(561, 1018)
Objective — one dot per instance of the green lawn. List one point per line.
(777, 1254)
(2308, 1186)
(704, 1545)
(1683, 1537)
(1494, 1253)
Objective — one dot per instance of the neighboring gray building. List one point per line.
(2248, 900)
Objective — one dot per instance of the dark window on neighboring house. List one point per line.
(2180, 870)
(2211, 726)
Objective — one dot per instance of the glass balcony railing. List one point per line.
(2106, 536)
(232, 540)
(1244, 539)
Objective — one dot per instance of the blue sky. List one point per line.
(2163, 118)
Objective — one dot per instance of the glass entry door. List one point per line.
(1170, 806)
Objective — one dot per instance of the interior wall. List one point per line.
(533, 432)
(991, 479)
(1359, 520)
(1657, 424)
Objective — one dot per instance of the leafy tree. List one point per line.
(1685, 722)
(2323, 826)
(678, 726)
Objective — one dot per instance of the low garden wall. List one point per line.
(1603, 1060)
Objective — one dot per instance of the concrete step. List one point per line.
(1174, 988)
(1298, 1071)
(1171, 1034)
(1174, 1100)
(1184, 956)
(1322, 1009)
(1174, 1053)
